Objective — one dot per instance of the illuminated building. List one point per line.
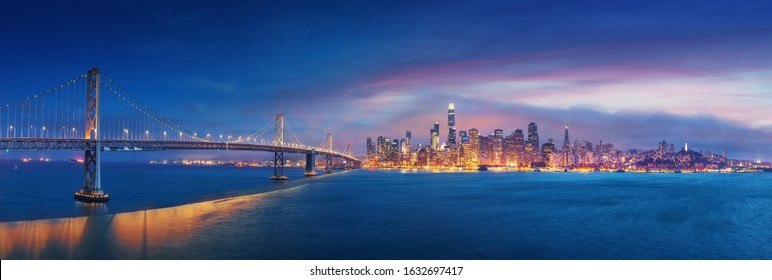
(497, 145)
(532, 146)
(371, 150)
(567, 155)
(485, 150)
(509, 150)
(547, 150)
(662, 148)
(380, 148)
(474, 144)
(394, 151)
(434, 136)
(409, 141)
(518, 144)
(451, 125)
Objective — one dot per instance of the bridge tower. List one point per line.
(92, 180)
(328, 157)
(349, 163)
(278, 155)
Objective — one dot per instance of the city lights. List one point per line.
(520, 152)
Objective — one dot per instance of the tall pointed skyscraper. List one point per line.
(451, 124)
(567, 158)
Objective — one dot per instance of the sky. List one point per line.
(630, 73)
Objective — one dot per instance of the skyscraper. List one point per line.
(409, 141)
(434, 136)
(497, 147)
(371, 150)
(381, 148)
(547, 150)
(474, 141)
(519, 146)
(567, 159)
(451, 125)
(532, 146)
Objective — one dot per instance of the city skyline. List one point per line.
(532, 130)
(628, 73)
(514, 150)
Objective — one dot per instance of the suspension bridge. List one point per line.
(92, 113)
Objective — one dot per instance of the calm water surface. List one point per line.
(393, 215)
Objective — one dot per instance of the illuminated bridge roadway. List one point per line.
(116, 121)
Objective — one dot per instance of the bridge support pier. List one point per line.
(278, 166)
(328, 164)
(310, 164)
(92, 179)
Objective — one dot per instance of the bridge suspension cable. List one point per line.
(40, 115)
(294, 139)
(61, 113)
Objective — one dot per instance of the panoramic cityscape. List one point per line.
(519, 151)
(386, 139)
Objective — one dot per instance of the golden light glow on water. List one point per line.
(31, 237)
(135, 234)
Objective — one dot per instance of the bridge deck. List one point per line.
(25, 144)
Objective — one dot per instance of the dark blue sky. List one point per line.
(628, 72)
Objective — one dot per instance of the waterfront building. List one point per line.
(474, 144)
(409, 141)
(451, 125)
(371, 150)
(496, 147)
(532, 146)
(434, 136)
(567, 155)
(548, 149)
(518, 144)
(509, 150)
(484, 151)
(380, 151)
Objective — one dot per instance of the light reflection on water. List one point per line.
(133, 235)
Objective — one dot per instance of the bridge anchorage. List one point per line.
(115, 121)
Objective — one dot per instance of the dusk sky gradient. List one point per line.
(627, 72)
